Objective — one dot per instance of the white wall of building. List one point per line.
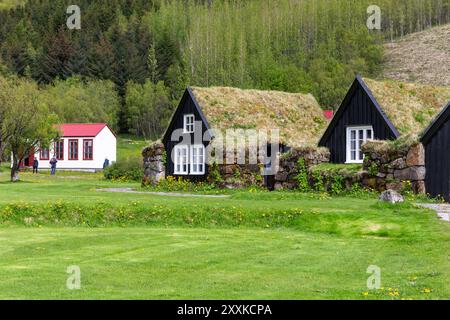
(104, 145)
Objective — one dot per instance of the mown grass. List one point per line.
(252, 245)
(180, 263)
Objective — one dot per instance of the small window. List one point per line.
(356, 137)
(197, 160)
(189, 123)
(181, 159)
(88, 149)
(73, 149)
(44, 154)
(59, 150)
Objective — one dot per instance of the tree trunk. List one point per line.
(15, 169)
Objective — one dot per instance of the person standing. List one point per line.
(106, 164)
(53, 163)
(35, 166)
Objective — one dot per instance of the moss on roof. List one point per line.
(298, 116)
(410, 106)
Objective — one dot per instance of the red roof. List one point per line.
(328, 114)
(82, 129)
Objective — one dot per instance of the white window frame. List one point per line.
(180, 161)
(188, 123)
(195, 158)
(357, 142)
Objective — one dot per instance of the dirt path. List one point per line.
(164, 194)
(442, 210)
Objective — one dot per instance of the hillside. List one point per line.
(7, 4)
(420, 57)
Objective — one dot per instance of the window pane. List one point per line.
(369, 134)
(353, 134)
(361, 134)
(353, 156)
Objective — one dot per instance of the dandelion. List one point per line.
(365, 294)
(426, 290)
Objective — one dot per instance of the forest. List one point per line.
(131, 60)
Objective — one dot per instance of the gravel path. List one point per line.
(443, 210)
(165, 194)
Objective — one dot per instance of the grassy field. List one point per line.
(253, 245)
(129, 147)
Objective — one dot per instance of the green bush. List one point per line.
(337, 184)
(172, 184)
(126, 170)
(302, 176)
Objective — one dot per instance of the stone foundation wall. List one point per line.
(235, 176)
(154, 164)
(286, 178)
(389, 166)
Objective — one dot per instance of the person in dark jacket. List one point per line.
(53, 163)
(35, 166)
(106, 164)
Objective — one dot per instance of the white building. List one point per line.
(81, 147)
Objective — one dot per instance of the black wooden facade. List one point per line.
(187, 105)
(359, 108)
(436, 141)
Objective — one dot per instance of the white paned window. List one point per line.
(356, 137)
(189, 123)
(197, 160)
(181, 157)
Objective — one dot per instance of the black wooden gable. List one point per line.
(436, 140)
(437, 123)
(188, 105)
(359, 108)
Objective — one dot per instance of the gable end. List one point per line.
(358, 83)
(437, 123)
(188, 94)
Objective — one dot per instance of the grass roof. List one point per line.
(410, 106)
(298, 116)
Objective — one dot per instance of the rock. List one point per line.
(416, 156)
(370, 183)
(381, 175)
(412, 173)
(278, 186)
(156, 166)
(399, 163)
(396, 186)
(281, 176)
(391, 196)
(419, 187)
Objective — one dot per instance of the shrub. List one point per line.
(302, 175)
(214, 175)
(172, 184)
(337, 184)
(319, 185)
(126, 170)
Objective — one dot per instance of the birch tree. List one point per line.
(27, 123)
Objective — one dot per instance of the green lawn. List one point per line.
(250, 246)
(130, 147)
